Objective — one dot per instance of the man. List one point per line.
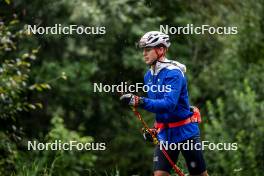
(173, 113)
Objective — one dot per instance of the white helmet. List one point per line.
(154, 38)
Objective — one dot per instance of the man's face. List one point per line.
(149, 55)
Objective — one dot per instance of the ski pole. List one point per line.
(156, 141)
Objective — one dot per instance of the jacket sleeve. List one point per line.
(174, 78)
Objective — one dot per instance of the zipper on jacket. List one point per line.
(153, 80)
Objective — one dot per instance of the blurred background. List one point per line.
(46, 83)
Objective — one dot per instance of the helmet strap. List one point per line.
(158, 56)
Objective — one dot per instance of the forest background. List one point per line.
(46, 83)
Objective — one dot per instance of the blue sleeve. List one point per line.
(174, 78)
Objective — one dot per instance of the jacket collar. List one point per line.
(166, 63)
(159, 66)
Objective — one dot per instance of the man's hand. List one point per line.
(131, 100)
(147, 136)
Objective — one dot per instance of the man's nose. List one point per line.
(144, 53)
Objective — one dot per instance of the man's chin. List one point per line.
(148, 62)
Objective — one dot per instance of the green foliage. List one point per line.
(246, 127)
(14, 86)
(57, 162)
(15, 70)
(225, 74)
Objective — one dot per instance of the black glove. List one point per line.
(131, 100)
(147, 136)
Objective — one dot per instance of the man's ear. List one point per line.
(163, 50)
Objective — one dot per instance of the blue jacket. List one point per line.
(169, 106)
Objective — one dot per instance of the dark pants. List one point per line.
(193, 157)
